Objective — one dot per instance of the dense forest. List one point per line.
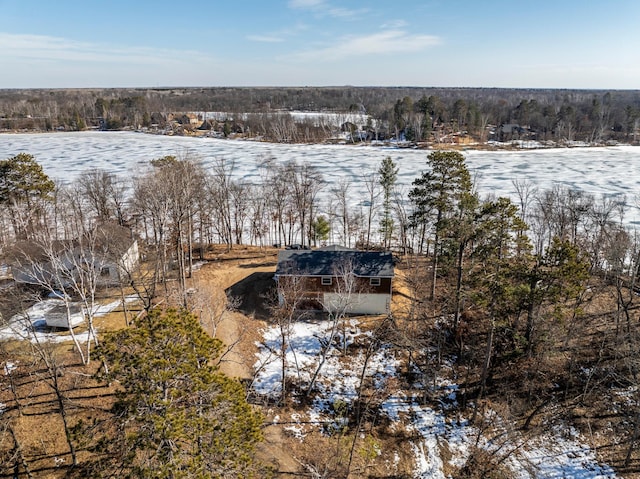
(531, 303)
(439, 115)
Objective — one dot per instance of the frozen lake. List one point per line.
(608, 171)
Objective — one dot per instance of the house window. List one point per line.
(374, 281)
(326, 281)
(105, 271)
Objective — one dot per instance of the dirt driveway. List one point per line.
(244, 277)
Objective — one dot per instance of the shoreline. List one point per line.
(514, 145)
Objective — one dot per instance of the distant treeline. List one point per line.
(441, 115)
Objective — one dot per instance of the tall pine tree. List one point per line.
(176, 414)
(437, 195)
(388, 172)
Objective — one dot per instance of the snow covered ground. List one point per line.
(601, 170)
(559, 454)
(32, 323)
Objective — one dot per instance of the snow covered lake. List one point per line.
(602, 170)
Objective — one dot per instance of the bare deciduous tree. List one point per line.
(373, 191)
(343, 298)
(286, 308)
(307, 183)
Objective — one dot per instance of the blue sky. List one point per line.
(448, 43)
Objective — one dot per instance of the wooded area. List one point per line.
(533, 302)
(432, 115)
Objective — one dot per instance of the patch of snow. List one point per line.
(556, 455)
(5, 271)
(58, 295)
(435, 431)
(8, 367)
(31, 324)
(296, 429)
(102, 309)
(196, 266)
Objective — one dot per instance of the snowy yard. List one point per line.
(560, 454)
(32, 323)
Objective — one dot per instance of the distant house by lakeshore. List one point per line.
(326, 275)
(185, 119)
(511, 131)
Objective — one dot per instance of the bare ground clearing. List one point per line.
(242, 276)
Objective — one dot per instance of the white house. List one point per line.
(103, 254)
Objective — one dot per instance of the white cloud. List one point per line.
(394, 24)
(49, 49)
(306, 3)
(278, 36)
(322, 7)
(385, 42)
(339, 12)
(265, 38)
(37, 61)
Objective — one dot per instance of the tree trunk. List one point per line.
(632, 442)
(487, 359)
(85, 360)
(20, 459)
(532, 313)
(283, 354)
(458, 305)
(324, 354)
(434, 265)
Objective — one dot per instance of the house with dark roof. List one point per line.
(109, 250)
(330, 276)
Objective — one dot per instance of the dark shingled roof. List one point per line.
(324, 263)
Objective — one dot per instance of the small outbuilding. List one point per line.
(61, 317)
